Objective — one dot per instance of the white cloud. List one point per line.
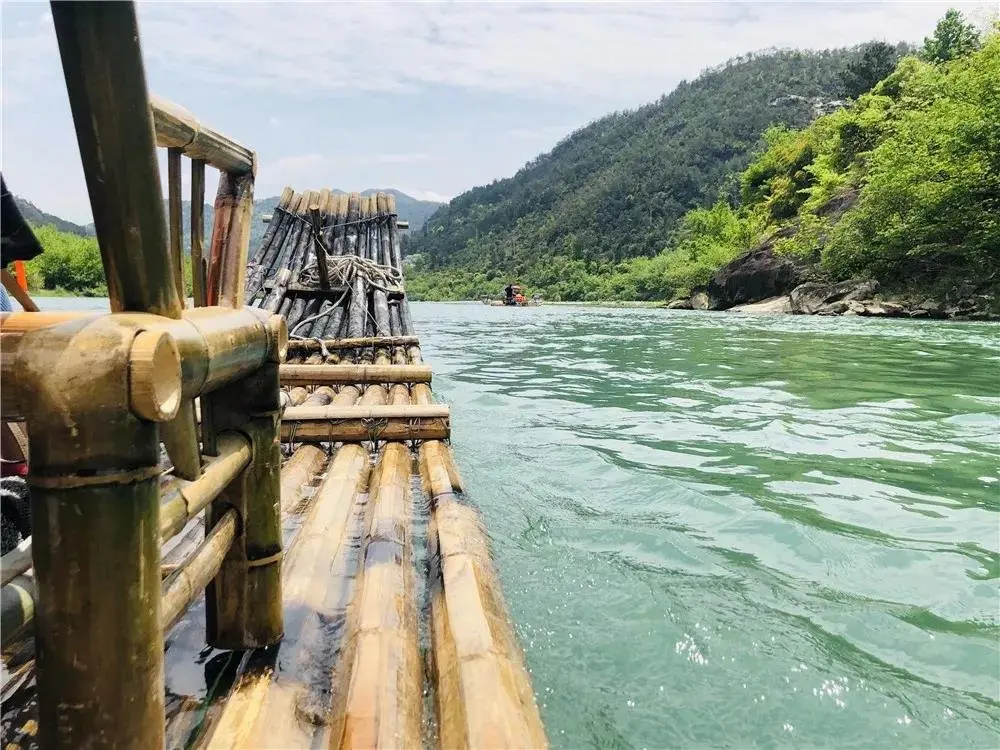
(626, 51)
(425, 195)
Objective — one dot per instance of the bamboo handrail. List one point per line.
(360, 431)
(186, 499)
(314, 345)
(316, 374)
(178, 128)
(310, 413)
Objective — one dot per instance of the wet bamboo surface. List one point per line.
(396, 631)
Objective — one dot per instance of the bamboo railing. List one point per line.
(99, 393)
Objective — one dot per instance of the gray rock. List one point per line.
(699, 301)
(754, 276)
(679, 304)
(814, 297)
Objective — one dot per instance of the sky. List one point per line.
(428, 98)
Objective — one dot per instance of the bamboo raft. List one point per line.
(302, 568)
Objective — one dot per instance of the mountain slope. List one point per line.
(616, 188)
(38, 218)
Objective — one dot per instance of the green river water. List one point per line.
(717, 530)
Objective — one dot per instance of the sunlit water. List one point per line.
(719, 530)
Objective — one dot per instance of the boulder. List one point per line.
(757, 275)
(773, 306)
(679, 304)
(812, 298)
(700, 301)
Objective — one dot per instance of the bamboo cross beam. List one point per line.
(364, 430)
(312, 413)
(317, 374)
(178, 128)
(314, 345)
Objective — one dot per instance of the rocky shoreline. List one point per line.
(762, 282)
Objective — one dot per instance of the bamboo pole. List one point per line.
(378, 704)
(15, 562)
(17, 608)
(317, 580)
(233, 266)
(310, 413)
(178, 128)
(106, 82)
(296, 374)
(198, 270)
(243, 602)
(185, 500)
(186, 583)
(174, 218)
(359, 430)
(96, 550)
(311, 345)
(305, 463)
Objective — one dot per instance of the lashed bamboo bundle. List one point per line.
(331, 264)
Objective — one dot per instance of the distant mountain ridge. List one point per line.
(410, 209)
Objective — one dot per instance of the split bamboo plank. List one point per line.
(299, 374)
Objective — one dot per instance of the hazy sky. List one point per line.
(431, 98)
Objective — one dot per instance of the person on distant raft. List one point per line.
(509, 294)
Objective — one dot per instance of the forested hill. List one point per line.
(616, 188)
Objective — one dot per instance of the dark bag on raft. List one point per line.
(17, 241)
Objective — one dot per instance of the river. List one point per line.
(717, 530)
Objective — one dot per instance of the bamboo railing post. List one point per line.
(198, 231)
(243, 601)
(97, 389)
(174, 218)
(106, 82)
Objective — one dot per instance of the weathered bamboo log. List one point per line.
(311, 345)
(178, 128)
(359, 430)
(340, 218)
(243, 602)
(272, 227)
(186, 583)
(306, 374)
(184, 500)
(15, 291)
(199, 273)
(276, 244)
(229, 277)
(396, 256)
(15, 562)
(106, 82)
(17, 608)
(378, 704)
(175, 231)
(327, 413)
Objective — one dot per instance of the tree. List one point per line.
(873, 62)
(953, 38)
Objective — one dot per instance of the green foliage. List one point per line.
(869, 65)
(953, 38)
(69, 262)
(617, 188)
(930, 198)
